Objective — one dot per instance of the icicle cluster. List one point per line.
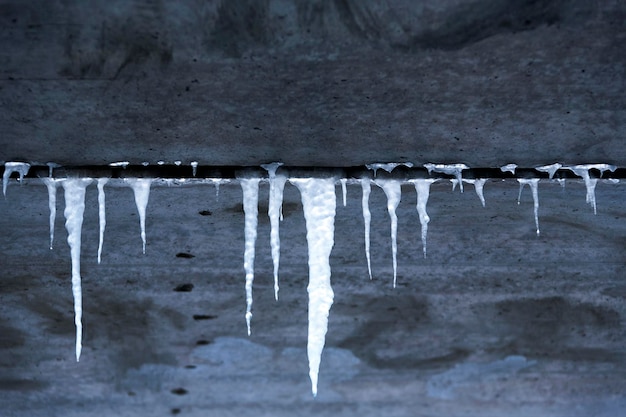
(319, 205)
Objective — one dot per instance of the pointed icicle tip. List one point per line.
(141, 190)
(393, 191)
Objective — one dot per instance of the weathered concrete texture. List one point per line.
(313, 83)
(495, 321)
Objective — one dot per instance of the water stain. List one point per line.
(22, 385)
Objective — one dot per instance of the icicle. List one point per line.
(274, 211)
(454, 183)
(319, 205)
(344, 190)
(387, 166)
(51, 184)
(449, 169)
(194, 167)
(393, 192)
(101, 214)
(508, 168)
(141, 189)
(550, 169)
(590, 183)
(533, 183)
(366, 186)
(422, 187)
(178, 163)
(250, 187)
(11, 167)
(562, 182)
(74, 209)
(479, 184)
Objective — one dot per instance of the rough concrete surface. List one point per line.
(494, 321)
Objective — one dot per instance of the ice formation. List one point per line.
(122, 164)
(479, 184)
(101, 214)
(319, 205)
(250, 187)
(550, 169)
(422, 188)
(448, 169)
(389, 166)
(11, 167)
(274, 211)
(74, 209)
(509, 168)
(392, 189)
(141, 190)
(366, 186)
(533, 183)
(51, 184)
(344, 190)
(590, 183)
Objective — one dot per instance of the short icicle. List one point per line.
(479, 185)
(10, 167)
(533, 183)
(51, 184)
(101, 214)
(141, 190)
(590, 183)
(274, 211)
(393, 191)
(366, 186)
(344, 190)
(250, 187)
(422, 187)
(319, 205)
(74, 210)
(449, 169)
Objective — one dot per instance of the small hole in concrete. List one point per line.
(205, 212)
(204, 317)
(185, 255)
(203, 342)
(184, 288)
(190, 366)
(175, 410)
(179, 391)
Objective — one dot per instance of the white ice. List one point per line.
(366, 186)
(101, 214)
(590, 183)
(274, 211)
(392, 189)
(11, 167)
(509, 168)
(51, 184)
(344, 190)
(389, 166)
(250, 187)
(74, 209)
(122, 164)
(178, 163)
(533, 183)
(422, 188)
(550, 169)
(448, 169)
(141, 190)
(194, 167)
(479, 184)
(319, 205)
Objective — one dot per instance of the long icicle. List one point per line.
(250, 187)
(393, 191)
(51, 184)
(319, 205)
(274, 211)
(141, 190)
(74, 210)
(101, 214)
(422, 188)
(366, 186)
